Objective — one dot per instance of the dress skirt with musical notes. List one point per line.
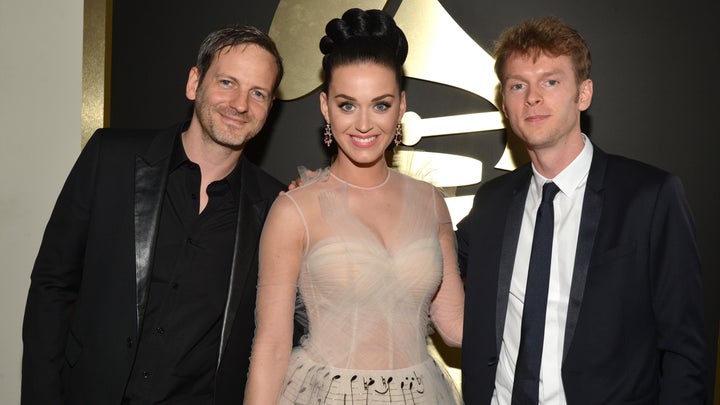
(308, 382)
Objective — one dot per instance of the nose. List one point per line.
(533, 97)
(239, 102)
(363, 123)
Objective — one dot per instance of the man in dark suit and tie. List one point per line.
(143, 291)
(583, 277)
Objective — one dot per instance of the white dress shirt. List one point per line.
(568, 208)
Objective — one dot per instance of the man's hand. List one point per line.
(298, 182)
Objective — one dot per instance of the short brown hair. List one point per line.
(544, 35)
(234, 35)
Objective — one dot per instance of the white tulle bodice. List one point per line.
(368, 319)
(372, 265)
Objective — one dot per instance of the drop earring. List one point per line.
(328, 135)
(398, 134)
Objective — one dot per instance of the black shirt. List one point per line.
(180, 336)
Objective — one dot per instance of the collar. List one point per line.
(179, 158)
(234, 179)
(570, 178)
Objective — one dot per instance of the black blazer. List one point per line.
(635, 329)
(90, 279)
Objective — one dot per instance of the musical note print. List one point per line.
(366, 385)
(336, 377)
(424, 384)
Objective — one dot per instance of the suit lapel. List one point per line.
(589, 220)
(150, 180)
(247, 236)
(511, 235)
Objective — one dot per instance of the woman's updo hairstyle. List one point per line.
(363, 36)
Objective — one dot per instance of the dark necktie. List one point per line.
(527, 368)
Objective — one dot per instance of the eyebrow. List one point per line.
(378, 98)
(543, 75)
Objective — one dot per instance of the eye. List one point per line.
(347, 107)
(517, 86)
(260, 95)
(225, 82)
(552, 82)
(382, 106)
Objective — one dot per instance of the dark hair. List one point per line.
(363, 36)
(231, 36)
(544, 35)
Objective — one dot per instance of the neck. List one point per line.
(550, 161)
(368, 176)
(215, 161)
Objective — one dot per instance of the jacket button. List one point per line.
(492, 361)
(129, 342)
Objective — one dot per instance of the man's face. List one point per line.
(542, 99)
(235, 96)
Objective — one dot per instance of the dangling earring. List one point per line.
(398, 134)
(328, 135)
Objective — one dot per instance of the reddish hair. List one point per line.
(544, 35)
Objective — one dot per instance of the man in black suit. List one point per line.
(143, 291)
(619, 318)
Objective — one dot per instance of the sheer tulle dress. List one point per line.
(372, 278)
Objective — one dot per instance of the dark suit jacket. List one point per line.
(90, 279)
(635, 330)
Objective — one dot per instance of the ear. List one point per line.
(324, 106)
(403, 105)
(192, 83)
(500, 97)
(585, 94)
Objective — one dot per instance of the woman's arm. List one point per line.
(446, 309)
(281, 250)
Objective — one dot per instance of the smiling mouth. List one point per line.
(364, 141)
(236, 121)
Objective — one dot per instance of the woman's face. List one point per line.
(363, 105)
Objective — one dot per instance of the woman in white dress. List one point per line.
(370, 252)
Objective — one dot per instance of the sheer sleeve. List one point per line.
(281, 250)
(446, 309)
